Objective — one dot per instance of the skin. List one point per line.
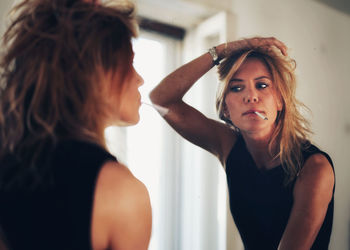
(130, 101)
(123, 109)
(314, 186)
(122, 217)
(252, 89)
(312, 193)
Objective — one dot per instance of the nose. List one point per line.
(251, 96)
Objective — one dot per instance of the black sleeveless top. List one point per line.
(260, 203)
(58, 217)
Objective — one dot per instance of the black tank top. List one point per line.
(58, 217)
(260, 203)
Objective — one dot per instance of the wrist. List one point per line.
(221, 50)
(218, 53)
(214, 55)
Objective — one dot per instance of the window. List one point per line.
(146, 148)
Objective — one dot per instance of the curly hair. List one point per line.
(292, 129)
(53, 54)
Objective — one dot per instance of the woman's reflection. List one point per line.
(280, 185)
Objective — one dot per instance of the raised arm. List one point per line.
(209, 134)
(312, 193)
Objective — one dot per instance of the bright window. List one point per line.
(141, 147)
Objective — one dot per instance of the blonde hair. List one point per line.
(292, 129)
(53, 54)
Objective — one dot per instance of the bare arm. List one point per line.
(312, 193)
(209, 134)
(187, 121)
(122, 217)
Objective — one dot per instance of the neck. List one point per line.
(258, 147)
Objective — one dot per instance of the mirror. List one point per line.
(316, 33)
(186, 184)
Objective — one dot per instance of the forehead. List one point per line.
(252, 67)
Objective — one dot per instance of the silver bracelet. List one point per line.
(214, 55)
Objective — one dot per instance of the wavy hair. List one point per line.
(53, 54)
(292, 129)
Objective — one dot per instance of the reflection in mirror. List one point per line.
(322, 51)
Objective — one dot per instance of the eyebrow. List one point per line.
(258, 78)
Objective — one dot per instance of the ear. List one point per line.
(225, 111)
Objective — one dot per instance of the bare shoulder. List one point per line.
(122, 215)
(228, 138)
(316, 176)
(312, 194)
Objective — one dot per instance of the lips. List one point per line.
(139, 98)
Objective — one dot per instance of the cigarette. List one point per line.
(260, 115)
(161, 110)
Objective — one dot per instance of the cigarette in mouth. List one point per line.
(260, 115)
(162, 110)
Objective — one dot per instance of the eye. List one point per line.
(236, 88)
(261, 85)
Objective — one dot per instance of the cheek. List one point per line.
(277, 103)
(272, 107)
(232, 105)
(277, 100)
(230, 101)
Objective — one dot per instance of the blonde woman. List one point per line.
(280, 185)
(67, 73)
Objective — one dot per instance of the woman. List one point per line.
(67, 74)
(281, 187)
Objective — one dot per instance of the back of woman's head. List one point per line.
(53, 54)
(291, 128)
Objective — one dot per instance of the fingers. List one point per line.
(268, 42)
(258, 42)
(277, 43)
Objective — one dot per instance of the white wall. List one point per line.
(319, 40)
(5, 6)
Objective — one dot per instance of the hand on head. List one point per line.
(256, 42)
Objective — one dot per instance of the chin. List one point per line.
(129, 122)
(252, 128)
